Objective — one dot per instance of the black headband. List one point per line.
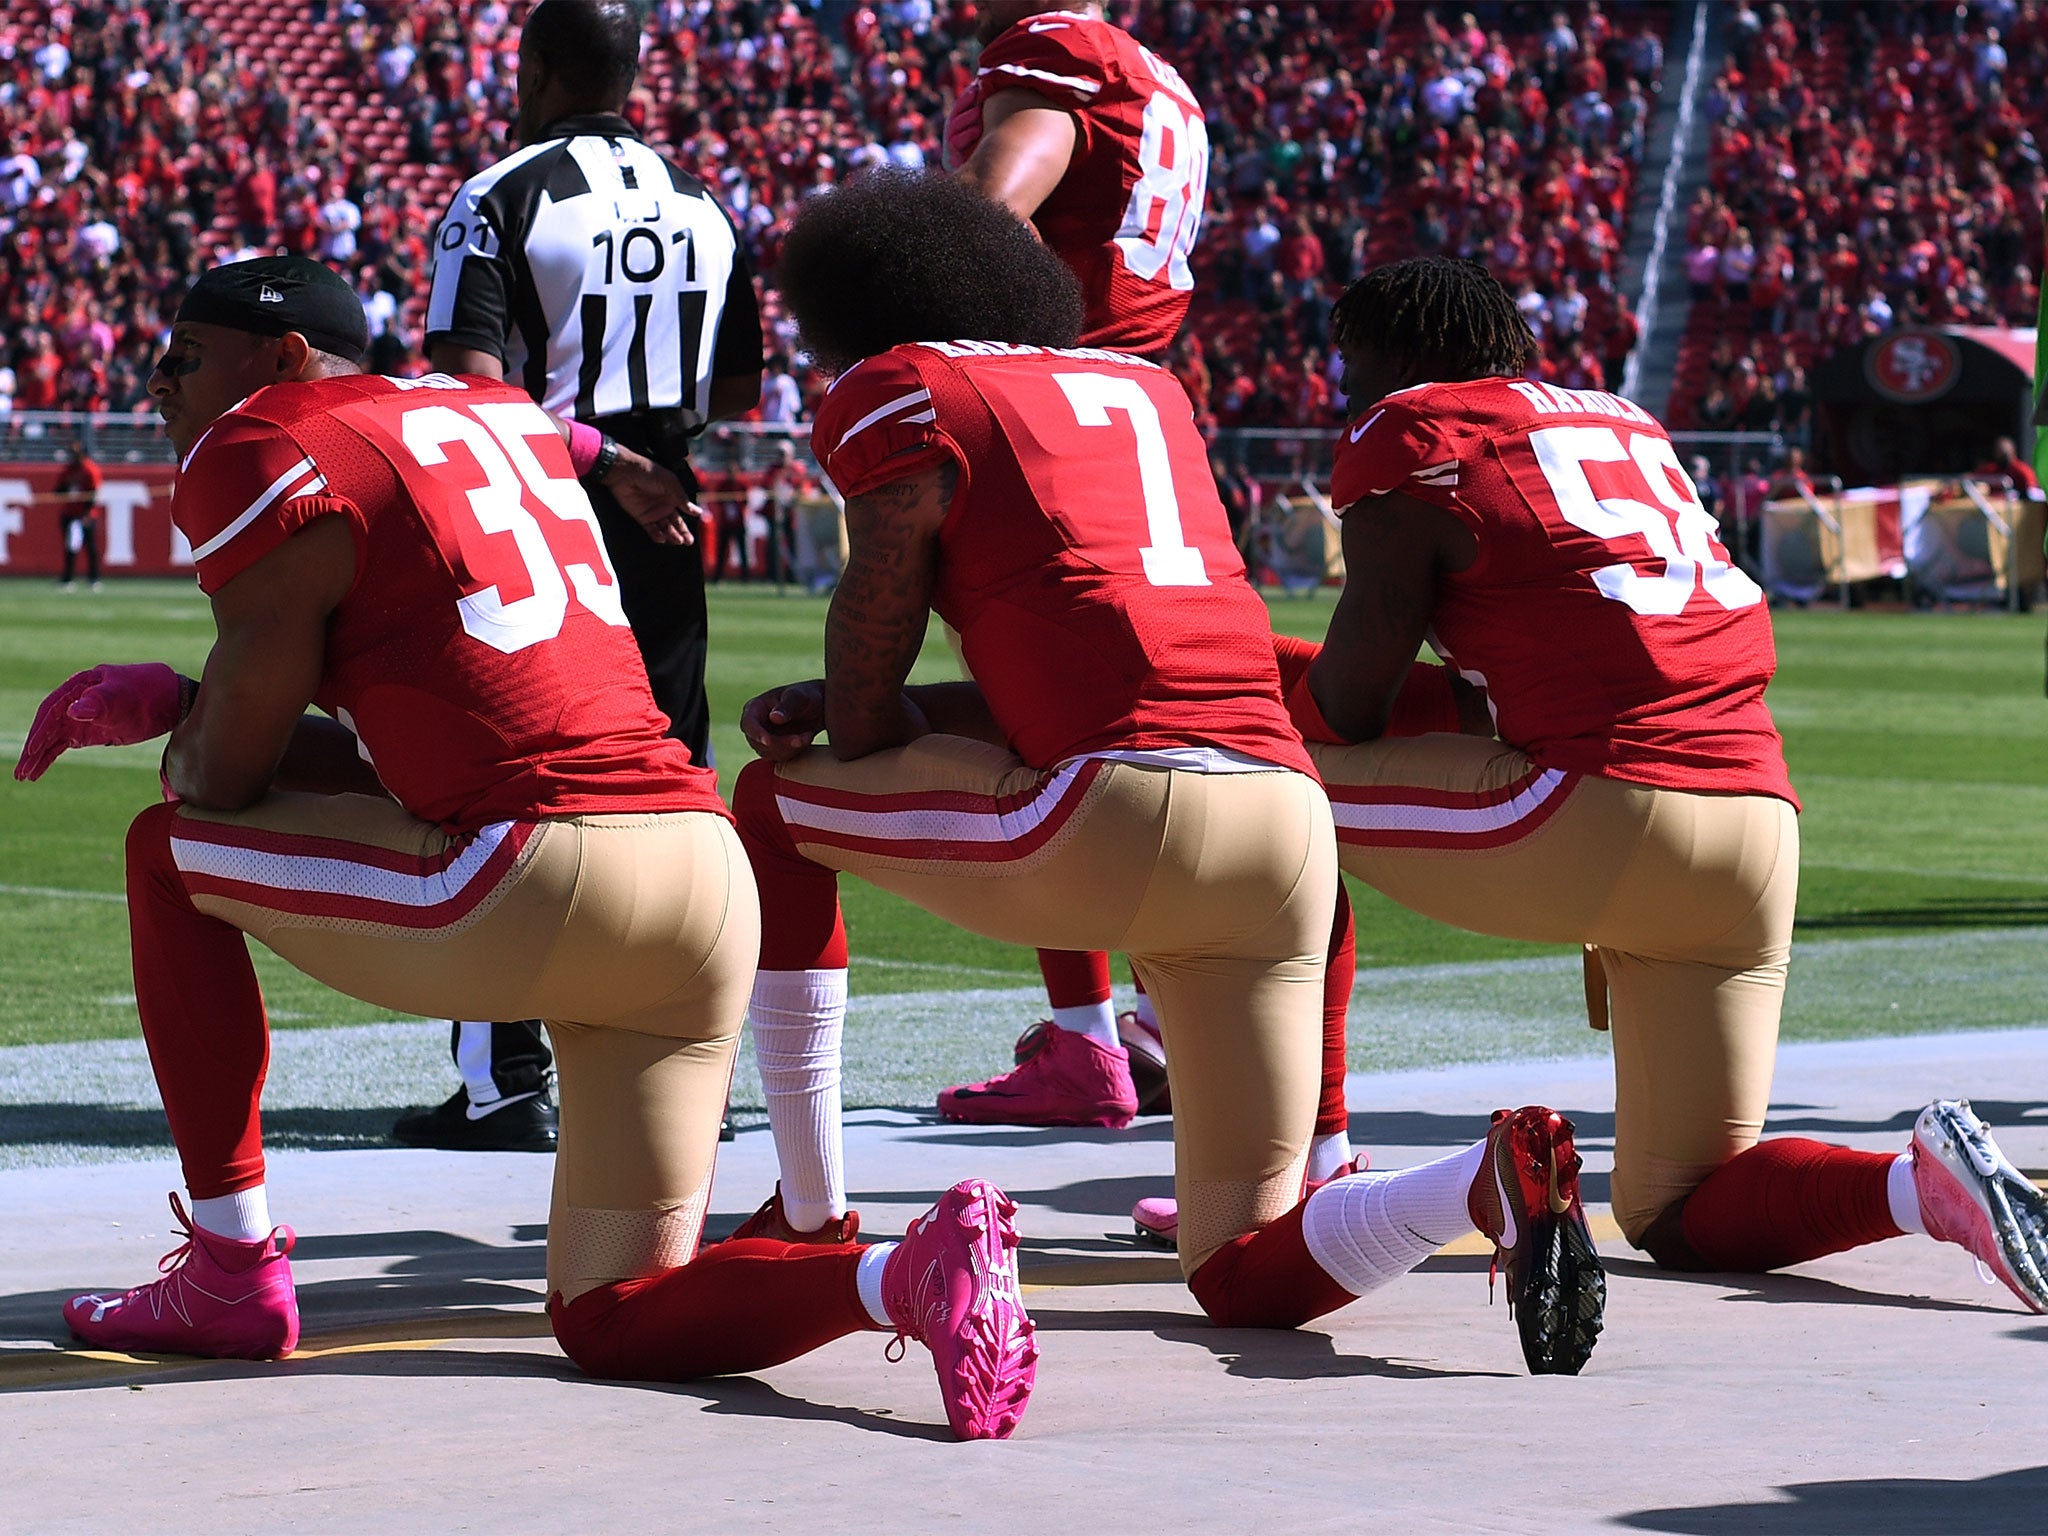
(275, 294)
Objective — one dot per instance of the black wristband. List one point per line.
(188, 695)
(607, 456)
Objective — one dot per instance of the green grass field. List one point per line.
(1917, 740)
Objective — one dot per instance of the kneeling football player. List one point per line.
(478, 832)
(1122, 775)
(1555, 553)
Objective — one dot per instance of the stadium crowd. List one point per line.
(147, 137)
(1870, 167)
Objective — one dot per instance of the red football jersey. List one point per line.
(1086, 560)
(1603, 616)
(481, 657)
(1126, 214)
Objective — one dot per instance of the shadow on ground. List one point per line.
(1942, 912)
(2005, 1504)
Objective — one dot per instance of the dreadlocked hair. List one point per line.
(901, 256)
(1446, 319)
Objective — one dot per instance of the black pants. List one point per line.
(661, 587)
(88, 543)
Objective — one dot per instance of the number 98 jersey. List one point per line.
(1127, 212)
(1613, 634)
(481, 657)
(1086, 560)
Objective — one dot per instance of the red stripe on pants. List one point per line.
(202, 1016)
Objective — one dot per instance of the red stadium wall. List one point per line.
(136, 536)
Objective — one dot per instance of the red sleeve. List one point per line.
(1399, 445)
(877, 424)
(247, 488)
(1057, 57)
(1424, 705)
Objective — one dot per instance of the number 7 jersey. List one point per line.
(1603, 616)
(1085, 560)
(481, 657)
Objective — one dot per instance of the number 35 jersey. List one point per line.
(1086, 560)
(1126, 214)
(1612, 632)
(481, 657)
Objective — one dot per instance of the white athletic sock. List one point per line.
(1095, 1020)
(473, 1061)
(244, 1215)
(1374, 1227)
(1147, 1014)
(869, 1278)
(798, 1017)
(1328, 1156)
(1904, 1195)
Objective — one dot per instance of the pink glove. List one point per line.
(104, 707)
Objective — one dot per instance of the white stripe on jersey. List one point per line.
(1074, 81)
(260, 505)
(915, 397)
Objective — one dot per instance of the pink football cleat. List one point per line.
(1972, 1196)
(1068, 1080)
(219, 1297)
(952, 1285)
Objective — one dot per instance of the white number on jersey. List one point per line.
(1165, 212)
(1170, 561)
(1681, 534)
(496, 435)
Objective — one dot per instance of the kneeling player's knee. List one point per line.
(149, 843)
(757, 813)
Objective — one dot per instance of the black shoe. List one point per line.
(523, 1123)
(724, 1129)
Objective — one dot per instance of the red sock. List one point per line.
(1074, 978)
(807, 932)
(202, 1016)
(741, 1306)
(1267, 1279)
(1788, 1200)
(1332, 1114)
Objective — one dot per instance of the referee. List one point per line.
(611, 286)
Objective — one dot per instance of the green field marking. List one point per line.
(1915, 740)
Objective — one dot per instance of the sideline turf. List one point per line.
(1917, 741)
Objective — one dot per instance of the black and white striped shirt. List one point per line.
(604, 278)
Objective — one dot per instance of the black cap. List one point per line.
(275, 294)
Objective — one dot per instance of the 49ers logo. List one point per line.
(1913, 366)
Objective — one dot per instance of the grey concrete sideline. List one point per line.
(1885, 1390)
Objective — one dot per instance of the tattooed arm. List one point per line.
(880, 609)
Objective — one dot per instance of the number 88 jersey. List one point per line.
(1085, 560)
(481, 656)
(1126, 214)
(1612, 632)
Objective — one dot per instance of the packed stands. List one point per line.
(148, 139)
(1871, 166)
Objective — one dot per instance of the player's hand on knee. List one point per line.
(783, 721)
(106, 706)
(654, 497)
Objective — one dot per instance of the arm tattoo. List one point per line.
(881, 606)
